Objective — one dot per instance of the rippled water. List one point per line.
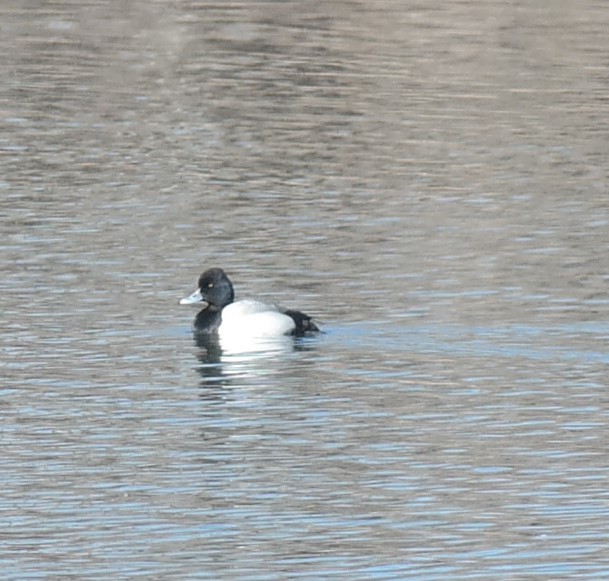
(428, 180)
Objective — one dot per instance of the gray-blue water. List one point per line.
(429, 180)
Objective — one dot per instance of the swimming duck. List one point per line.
(222, 314)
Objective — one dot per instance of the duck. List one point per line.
(222, 315)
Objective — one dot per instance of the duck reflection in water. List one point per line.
(223, 362)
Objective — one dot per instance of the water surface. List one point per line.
(428, 181)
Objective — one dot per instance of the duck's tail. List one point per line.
(304, 323)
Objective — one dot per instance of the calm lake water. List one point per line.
(429, 180)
